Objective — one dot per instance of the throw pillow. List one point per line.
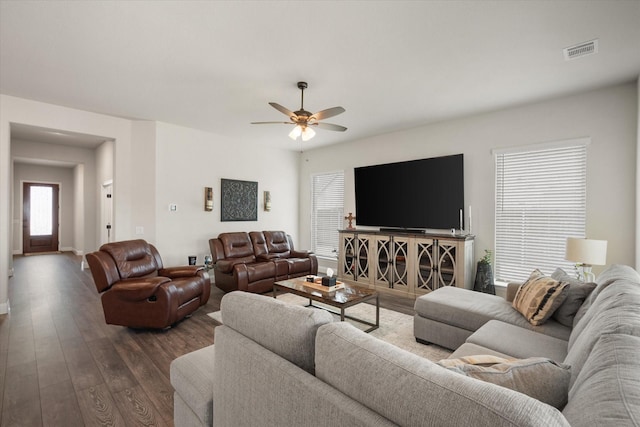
(539, 297)
(480, 359)
(578, 292)
(537, 377)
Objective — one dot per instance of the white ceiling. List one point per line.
(215, 65)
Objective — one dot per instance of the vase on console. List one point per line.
(484, 275)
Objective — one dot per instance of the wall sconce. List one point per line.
(208, 199)
(267, 201)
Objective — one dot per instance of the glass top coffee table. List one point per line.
(341, 299)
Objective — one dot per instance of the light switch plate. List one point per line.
(173, 207)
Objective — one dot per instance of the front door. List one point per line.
(40, 218)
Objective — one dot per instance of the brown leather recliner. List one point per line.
(137, 291)
(252, 262)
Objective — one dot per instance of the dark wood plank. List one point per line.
(60, 405)
(137, 409)
(98, 407)
(21, 403)
(156, 386)
(115, 372)
(82, 368)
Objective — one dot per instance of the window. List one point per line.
(540, 201)
(327, 212)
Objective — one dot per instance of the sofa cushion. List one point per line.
(263, 319)
(469, 310)
(578, 292)
(191, 376)
(278, 243)
(615, 311)
(538, 377)
(397, 384)
(470, 349)
(607, 390)
(606, 278)
(298, 266)
(261, 270)
(539, 297)
(133, 258)
(518, 342)
(236, 245)
(253, 386)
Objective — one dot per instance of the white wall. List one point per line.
(189, 160)
(608, 116)
(51, 175)
(144, 190)
(22, 111)
(638, 177)
(78, 208)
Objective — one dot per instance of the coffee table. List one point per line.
(341, 299)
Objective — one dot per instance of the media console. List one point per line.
(405, 263)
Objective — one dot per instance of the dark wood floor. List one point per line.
(61, 365)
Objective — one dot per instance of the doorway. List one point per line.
(40, 208)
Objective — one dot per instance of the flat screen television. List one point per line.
(416, 194)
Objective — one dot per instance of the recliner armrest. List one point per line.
(182, 271)
(301, 254)
(138, 289)
(226, 265)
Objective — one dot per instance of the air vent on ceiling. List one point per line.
(582, 49)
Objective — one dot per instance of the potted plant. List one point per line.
(484, 275)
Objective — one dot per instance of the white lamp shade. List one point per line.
(308, 133)
(586, 251)
(295, 133)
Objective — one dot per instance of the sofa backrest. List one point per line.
(410, 390)
(253, 386)
(616, 310)
(278, 243)
(133, 258)
(605, 393)
(259, 243)
(606, 278)
(264, 319)
(236, 245)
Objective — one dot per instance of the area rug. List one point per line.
(395, 328)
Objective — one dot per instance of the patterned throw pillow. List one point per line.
(537, 377)
(539, 297)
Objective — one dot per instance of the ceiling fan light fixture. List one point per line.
(302, 118)
(308, 133)
(295, 133)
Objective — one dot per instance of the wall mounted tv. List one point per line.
(416, 194)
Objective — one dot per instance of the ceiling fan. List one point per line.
(303, 119)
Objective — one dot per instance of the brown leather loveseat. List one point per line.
(253, 261)
(137, 291)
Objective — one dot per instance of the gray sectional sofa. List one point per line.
(274, 364)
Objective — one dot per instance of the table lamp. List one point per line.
(586, 253)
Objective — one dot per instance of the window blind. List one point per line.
(540, 201)
(327, 212)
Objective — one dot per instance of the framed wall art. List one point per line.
(239, 200)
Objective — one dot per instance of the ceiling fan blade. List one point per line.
(268, 123)
(329, 126)
(282, 109)
(329, 112)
